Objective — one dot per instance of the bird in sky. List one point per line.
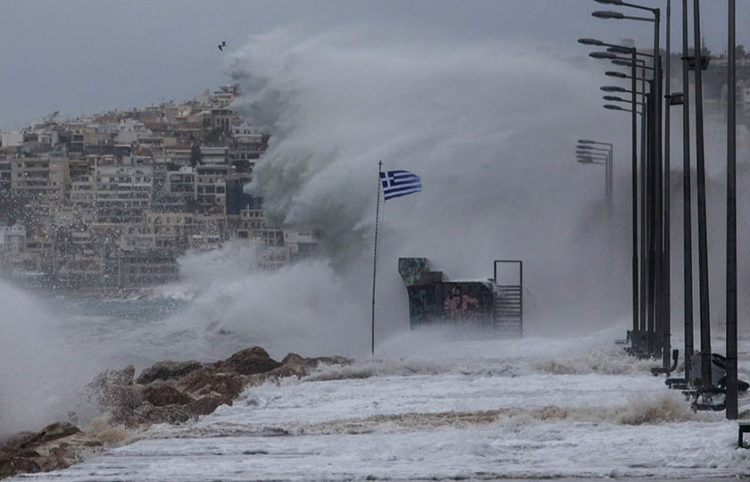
(222, 45)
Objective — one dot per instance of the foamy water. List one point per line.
(466, 415)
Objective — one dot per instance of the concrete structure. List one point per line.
(478, 304)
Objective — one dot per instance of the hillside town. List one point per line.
(110, 202)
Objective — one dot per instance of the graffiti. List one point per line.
(457, 303)
(431, 299)
(412, 269)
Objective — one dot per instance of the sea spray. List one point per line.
(42, 368)
(490, 127)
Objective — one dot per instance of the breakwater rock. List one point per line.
(167, 392)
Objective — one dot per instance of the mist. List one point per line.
(42, 367)
(490, 127)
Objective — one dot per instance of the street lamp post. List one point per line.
(634, 170)
(656, 238)
(687, 225)
(704, 311)
(667, 196)
(586, 149)
(644, 296)
(731, 378)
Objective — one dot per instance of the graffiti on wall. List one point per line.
(457, 303)
(433, 300)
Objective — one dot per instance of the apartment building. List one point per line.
(211, 188)
(40, 179)
(123, 193)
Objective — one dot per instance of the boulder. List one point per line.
(148, 413)
(57, 430)
(58, 458)
(53, 431)
(250, 361)
(210, 381)
(167, 370)
(12, 462)
(21, 439)
(162, 395)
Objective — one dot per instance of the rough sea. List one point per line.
(430, 404)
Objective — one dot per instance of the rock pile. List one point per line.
(167, 392)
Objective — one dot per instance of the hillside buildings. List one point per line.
(111, 202)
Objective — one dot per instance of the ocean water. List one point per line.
(430, 404)
(431, 407)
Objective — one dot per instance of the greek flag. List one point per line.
(399, 183)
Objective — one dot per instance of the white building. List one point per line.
(131, 130)
(12, 138)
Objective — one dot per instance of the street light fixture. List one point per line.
(621, 75)
(614, 88)
(603, 55)
(628, 63)
(619, 49)
(590, 41)
(614, 98)
(608, 14)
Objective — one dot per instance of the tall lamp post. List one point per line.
(704, 311)
(731, 380)
(645, 296)
(634, 171)
(657, 243)
(587, 149)
(687, 226)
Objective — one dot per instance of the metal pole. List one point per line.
(731, 379)
(634, 169)
(375, 262)
(658, 200)
(608, 181)
(705, 320)
(666, 322)
(650, 204)
(644, 227)
(611, 178)
(686, 196)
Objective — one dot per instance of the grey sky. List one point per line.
(89, 56)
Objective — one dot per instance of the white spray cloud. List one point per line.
(490, 127)
(41, 367)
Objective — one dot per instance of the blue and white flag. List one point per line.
(399, 183)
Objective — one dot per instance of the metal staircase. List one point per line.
(507, 314)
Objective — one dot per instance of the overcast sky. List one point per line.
(89, 56)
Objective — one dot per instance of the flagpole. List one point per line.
(375, 262)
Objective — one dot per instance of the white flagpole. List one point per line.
(375, 262)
